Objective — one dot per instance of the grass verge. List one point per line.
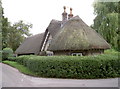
(21, 68)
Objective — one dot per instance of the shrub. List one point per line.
(99, 66)
(0, 55)
(12, 58)
(111, 51)
(23, 59)
(7, 52)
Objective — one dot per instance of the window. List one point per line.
(76, 54)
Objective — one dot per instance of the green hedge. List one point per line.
(101, 66)
(12, 58)
(7, 52)
(0, 56)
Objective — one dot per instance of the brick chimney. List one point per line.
(70, 15)
(64, 15)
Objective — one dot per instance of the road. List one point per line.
(11, 77)
(0, 75)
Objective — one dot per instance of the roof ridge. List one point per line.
(35, 35)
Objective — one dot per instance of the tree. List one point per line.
(5, 31)
(3, 25)
(1, 14)
(106, 21)
(17, 34)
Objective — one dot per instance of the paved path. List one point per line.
(11, 77)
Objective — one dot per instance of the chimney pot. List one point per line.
(64, 14)
(70, 15)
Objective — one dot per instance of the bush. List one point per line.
(7, 52)
(99, 66)
(12, 58)
(111, 51)
(23, 59)
(0, 55)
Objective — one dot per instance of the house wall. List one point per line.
(84, 53)
(61, 53)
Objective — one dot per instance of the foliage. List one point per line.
(99, 66)
(14, 35)
(111, 51)
(7, 52)
(4, 30)
(0, 26)
(0, 41)
(17, 34)
(12, 58)
(106, 21)
(0, 56)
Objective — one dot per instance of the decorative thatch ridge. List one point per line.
(76, 35)
(30, 45)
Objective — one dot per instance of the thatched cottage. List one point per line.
(71, 36)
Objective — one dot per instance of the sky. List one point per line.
(41, 12)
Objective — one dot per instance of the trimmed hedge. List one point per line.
(99, 66)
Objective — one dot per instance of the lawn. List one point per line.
(20, 67)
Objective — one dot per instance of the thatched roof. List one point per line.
(54, 27)
(31, 45)
(76, 35)
(34, 43)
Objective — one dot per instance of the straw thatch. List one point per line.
(31, 45)
(76, 35)
(54, 27)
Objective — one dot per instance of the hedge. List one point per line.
(99, 66)
(7, 52)
(0, 55)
